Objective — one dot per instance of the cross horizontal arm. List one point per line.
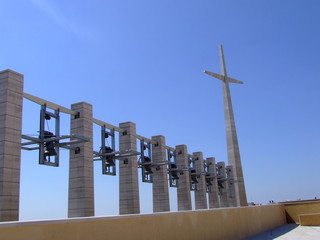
(223, 78)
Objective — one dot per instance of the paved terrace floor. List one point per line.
(290, 232)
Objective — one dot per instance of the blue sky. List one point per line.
(143, 61)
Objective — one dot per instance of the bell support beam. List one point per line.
(107, 125)
(49, 104)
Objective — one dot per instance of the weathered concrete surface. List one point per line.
(217, 224)
(213, 195)
(81, 188)
(309, 219)
(223, 194)
(200, 193)
(232, 201)
(11, 96)
(160, 189)
(183, 189)
(128, 172)
(295, 208)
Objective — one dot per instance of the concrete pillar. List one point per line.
(213, 193)
(160, 177)
(232, 201)
(81, 188)
(128, 171)
(183, 189)
(200, 193)
(11, 95)
(223, 191)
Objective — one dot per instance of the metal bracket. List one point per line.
(107, 158)
(208, 176)
(108, 155)
(75, 139)
(145, 161)
(221, 177)
(172, 168)
(49, 147)
(193, 174)
(49, 143)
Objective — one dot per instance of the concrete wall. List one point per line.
(222, 224)
(309, 219)
(295, 208)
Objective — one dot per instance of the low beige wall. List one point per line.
(309, 219)
(222, 224)
(295, 208)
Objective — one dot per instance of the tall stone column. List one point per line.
(213, 194)
(160, 177)
(81, 188)
(11, 96)
(200, 193)
(128, 171)
(222, 180)
(183, 189)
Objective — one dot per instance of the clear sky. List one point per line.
(143, 61)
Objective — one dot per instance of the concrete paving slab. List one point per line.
(289, 232)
